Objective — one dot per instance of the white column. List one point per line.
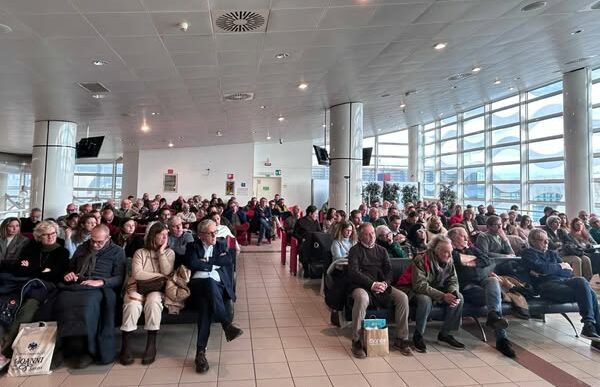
(577, 141)
(53, 166)
(345, 155)
(131, 161)
(413, 153)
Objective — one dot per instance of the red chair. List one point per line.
(283, 246)
(230, 242)
(241, 233)
(294, 256)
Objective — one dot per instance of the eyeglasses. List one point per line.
(49, 235)
(212, 234)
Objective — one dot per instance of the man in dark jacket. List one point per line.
(211, 286)
(479, 285)
(85, 306)
(554, 280)
(370, 279)
(308, 223)
(481, 218)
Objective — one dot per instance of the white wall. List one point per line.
(294, 159)
(191, 165)
(130, 174)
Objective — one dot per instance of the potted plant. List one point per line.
(390, 192)
(371, 192)
(410, 194)
(447, 194)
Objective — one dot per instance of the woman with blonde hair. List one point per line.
(435, 227)
(150, 268)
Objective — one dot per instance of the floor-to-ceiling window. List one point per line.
(595, 125)
(97, 181)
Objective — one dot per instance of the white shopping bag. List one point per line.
(33, 349)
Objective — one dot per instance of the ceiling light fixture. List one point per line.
(303, 86)
(145, 127)
(154, 113)
(268, 136)
(263, 106)
(98, 96)
(99, 62)
(497, 81)
(402, 105)
(171, 145)
(5, 29)
(281, 119)
(511, 88)
(219, 133)
(183, 26)
(476, 69)
(577, 31)
(440, 45)
(533, 6)
(282, 55)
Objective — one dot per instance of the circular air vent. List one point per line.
(238, 96)
(460, 76)
(240, 21)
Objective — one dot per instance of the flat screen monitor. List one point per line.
(89, 147)
(322, 155)
(367, 152)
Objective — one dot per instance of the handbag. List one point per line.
(151, 285)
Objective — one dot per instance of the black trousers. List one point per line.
(208, 296)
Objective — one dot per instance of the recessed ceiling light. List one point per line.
(155, 113)
(98, 96)
(440, 45)
(268, 137)
(183, 26)
(145, 127)
(476, 69)
(99, 62)
(511, 88)
(379, 130)
(263, 106)
(281, 119)
(533, 6)
(384, 95)
(219, 133)
(576, 31)
(517, 78)
(282, 55)
(5, 29)
(497, 81)
(171, 145)
(454, 87)
(402, 105)
(324, 125)
(303, 86)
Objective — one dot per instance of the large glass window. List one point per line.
(595, 127)
(97, 181)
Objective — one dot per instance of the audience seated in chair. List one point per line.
(494, 242)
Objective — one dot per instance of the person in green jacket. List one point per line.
(385, 239)
(434, 280)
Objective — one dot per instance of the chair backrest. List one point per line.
(230, 242)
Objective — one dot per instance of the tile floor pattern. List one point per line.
(288, 342)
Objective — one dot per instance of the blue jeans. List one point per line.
(452, 316)
(265, 229)
(576, 289)
(489, 293)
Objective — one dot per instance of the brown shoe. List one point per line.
(201, 362)
(232, 332)
(358, 351)
(403, 346)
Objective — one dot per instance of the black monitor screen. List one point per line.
(89, 147)
(322, 155)
(367, 152)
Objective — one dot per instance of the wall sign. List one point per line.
(229, 188)
(170, 182)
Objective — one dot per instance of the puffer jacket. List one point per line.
(177, 290)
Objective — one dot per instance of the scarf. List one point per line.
(87, 263)
(441, 273)
(49, 248)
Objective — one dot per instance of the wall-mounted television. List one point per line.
(322, 155)
(89, 147)
(367, 153)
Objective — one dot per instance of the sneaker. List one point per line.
(358, 351)
(232, 332)
(451, 341)
(419, 343)
(504, 347)
(495, 321)
(4, 361)
(335, 318)
(589, 332)
(403, 346)
(201, 362)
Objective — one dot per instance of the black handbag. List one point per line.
(152, 285)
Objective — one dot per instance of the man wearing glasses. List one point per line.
(210, 286)
(85, 307)
(554, 280)
(494, 243)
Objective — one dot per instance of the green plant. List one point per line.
(371, 192)
(447, 194)
(410, 194)
(390, 191)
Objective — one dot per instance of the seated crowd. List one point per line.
(145, 255)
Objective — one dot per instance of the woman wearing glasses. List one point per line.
(43, 259)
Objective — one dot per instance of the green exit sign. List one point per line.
(265, 188)
(278, 172)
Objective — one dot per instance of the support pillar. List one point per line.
(413, 153)
(131, 161)
(53, 166)
(345, 155)
(577, 142)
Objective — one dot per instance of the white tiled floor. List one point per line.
(288, 342)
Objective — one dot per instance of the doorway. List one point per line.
(267, 187)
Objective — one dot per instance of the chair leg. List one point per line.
(483, 335)
(570, 322)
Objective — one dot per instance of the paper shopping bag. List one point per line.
(376, 341)
(33, 349)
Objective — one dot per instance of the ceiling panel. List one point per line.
(108, 5)
(122, 24)
(175, 5)
(294, 19)
(58, 25)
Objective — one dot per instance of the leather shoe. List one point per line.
(589, 332)
(495, 321)
(451, 341)
(419, 343)
(232, 332)
(504, 347)
(201, 362)
(358, 351)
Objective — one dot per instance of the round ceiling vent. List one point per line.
(240, 21)
(460, 76)
(238, 96)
